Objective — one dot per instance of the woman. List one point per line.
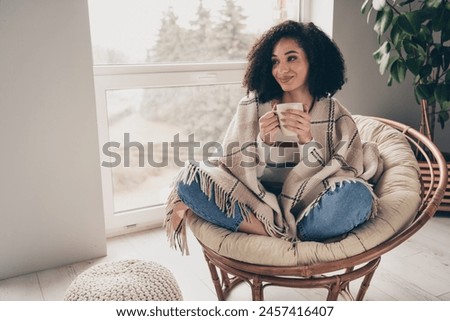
(308, 187)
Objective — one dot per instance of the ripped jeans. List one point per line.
(338, 211)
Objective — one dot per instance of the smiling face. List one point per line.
(290, 66)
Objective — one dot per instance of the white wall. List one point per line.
(320, 12)
(50, 191)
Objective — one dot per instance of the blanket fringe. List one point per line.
(226, 202)
(174, 224)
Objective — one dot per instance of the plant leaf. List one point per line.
(389, 82)
(436, 57)
(441, 93)
(441, 20)
(398, 70)
(382, 51)
(425, 71)
(414, 65)
(404, 3)
(409, 22)
(446, 105)
(446, 60)
(384, 63)
(397, 35)
(443, 117)
(383, 20)
(425, 35)
(368, 14)
(433, 3)
(364, 6)
(445, 35)
(382, 56)
(414, 52)
(379, 4)
(424, 91)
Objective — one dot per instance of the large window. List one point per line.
(154, 136)
(166, 73)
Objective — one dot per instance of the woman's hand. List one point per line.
(299, 122)
(268, 125)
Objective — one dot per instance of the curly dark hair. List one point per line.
(326, 64)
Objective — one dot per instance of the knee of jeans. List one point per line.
(358, 195)
(364, 192)
(355, 189)
(348, 197)
(187, 191)
(339, 211)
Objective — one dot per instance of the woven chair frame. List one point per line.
(335, 276)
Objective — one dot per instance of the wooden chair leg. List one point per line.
(226, 284)
(333, 291)
(364, 286)
(257, 290)
(216, 280)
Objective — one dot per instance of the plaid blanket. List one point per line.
(335, 155)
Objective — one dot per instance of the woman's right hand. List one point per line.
(268, 125)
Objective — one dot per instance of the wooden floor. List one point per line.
(418, 270)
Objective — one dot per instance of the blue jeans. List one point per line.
(206, 208)
(338, 211)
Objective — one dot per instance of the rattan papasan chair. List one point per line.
(406, 203)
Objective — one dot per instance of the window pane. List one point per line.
(150, 31)
(145, 126)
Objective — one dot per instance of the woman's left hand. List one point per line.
(300, 123)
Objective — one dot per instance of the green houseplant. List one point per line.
(414, 37)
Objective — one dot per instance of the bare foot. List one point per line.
(252, 225)
(179, 211)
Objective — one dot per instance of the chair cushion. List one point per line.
(398, 189)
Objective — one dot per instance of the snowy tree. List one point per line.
(169, 46)
(232, 43)
(198, 43)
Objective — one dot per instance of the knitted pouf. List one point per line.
(129, 280)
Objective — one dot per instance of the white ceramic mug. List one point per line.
(283, 107)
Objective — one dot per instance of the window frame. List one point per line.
(122, 77)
